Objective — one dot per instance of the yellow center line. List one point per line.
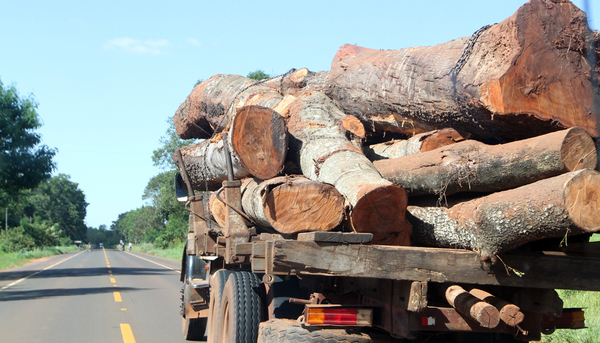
(112, 280)
(127, 334)
(117, 297)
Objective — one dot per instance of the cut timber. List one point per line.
(421, 142)
(474, 166)
(257, 142)
(554, 207)
(292, 204)
(320, 144)
(217, 209)
(300, 80)
(509, 313)
(259, 139)
(485, 314)
(523, 77)
(204, 111)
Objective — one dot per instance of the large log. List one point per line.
(320, 143)
(205, 110)
(474, 166)
(292, 204)
(525, 76)
(257, 142)
(421, 142)
(567, 204)
(300, 80)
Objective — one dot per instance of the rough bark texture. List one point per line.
(509, 313)
(525, 76)
(325, 153)
(499, 222)
(204, 110)
(474, 166)
(300, 80)
(485, 314)
(257, 142)
(421, 142)
(292, 204)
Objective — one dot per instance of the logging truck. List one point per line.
(243, 285)
(424, 194)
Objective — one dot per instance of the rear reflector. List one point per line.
(338, 315)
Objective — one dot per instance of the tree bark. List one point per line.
(257, 143)
(204, 112)
(485, 314)
(324, 150)
(299, 81)
(292, 204)
(567, 204)
(523, 77)
(421, 142)
(474, 166)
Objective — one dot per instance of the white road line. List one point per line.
(39, 271)
(162, 265)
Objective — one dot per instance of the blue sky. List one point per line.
(108, 75)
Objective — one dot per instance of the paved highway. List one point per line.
(92, 296)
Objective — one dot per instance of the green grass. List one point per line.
(15, 259)
(172, 253)
(590, 302)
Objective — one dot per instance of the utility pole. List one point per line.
(6, 218)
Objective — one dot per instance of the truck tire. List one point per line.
(217, 283)
(193, 328)
(240, 308)
(283, 330)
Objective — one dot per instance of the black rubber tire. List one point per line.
(217, 283)
(285, 330)
(241, 308)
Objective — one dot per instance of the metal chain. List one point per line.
(467, 52)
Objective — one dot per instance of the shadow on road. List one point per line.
(15, 295)
(81, 272)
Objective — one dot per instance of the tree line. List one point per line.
(38, 209)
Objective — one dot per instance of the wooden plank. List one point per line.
(437, 265)
(335, 237)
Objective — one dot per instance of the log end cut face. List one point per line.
(578, 150)
(582, 200)
(381, 210)
(302, 205)
(259, 139)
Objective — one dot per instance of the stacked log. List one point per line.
(525, 76)
(502, 125)
(287, 204)
(474, 166)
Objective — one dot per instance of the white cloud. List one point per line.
(136, 46)
(194, 42)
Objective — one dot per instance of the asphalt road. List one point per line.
(92, 296)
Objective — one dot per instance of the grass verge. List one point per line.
(172, 253)
(590, 302)
(15, 259)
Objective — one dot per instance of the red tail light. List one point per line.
(337, 315)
